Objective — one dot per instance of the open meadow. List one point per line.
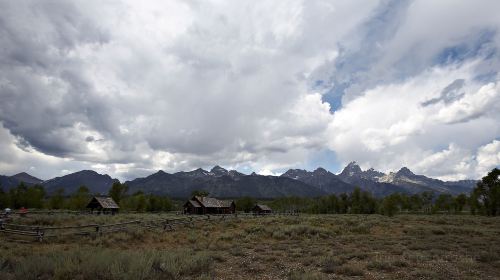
(245, 247)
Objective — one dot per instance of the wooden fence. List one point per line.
(41, 233)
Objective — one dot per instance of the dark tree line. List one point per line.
(361, 202)
(485, 197)
(36, 197)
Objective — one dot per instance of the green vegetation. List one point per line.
(118, 191)
(361, 202)
(485, 197)
(35, 197)
(245, 204)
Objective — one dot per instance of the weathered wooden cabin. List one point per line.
(103, 204)
(209, 205)
(262, 209)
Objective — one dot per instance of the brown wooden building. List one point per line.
(262, 209)
(103, 204)
(209, 205)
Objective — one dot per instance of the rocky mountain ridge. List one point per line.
(231, 183)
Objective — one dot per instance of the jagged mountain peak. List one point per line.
(351, 169)
(234, 172)
(199, 172)
(160, 172)
(217, 167)
(405, 171)
(218, 171)
(320, 170)
(21, 174)
(293, 171)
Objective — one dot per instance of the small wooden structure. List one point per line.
(103, 204)
(261, 209)
(23, 211)
(208, 205)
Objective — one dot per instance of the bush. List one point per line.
(350, 270)
(303, 275)
(488, 257)
(330, 264)
(380, 265)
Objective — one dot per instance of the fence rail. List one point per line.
(41, 233)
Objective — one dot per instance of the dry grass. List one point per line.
(304, 247)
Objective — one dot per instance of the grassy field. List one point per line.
(287, 247)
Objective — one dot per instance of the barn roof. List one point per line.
(213, 202)
(105, 202)
(264, 207)
(194, 203)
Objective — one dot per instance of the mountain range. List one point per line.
(220, 182)
(8, 182)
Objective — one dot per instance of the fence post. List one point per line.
(2, 227)
(97, 230)
(39, 234)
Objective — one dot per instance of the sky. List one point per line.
(131, 87)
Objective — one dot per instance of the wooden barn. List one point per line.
(209, 205)
(103, 204)
(262, 209)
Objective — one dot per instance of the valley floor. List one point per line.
(274, 247)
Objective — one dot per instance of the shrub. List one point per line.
(350, 270)
(303, 275)
(488, 257)
(330, 264)
(380, 265)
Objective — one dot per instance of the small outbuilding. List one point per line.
(103, 204)
(209, 205)
(262, 209)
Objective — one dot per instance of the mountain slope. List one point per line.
(230, 183)
(97, 183)
(320, 178)
(369, 180)
(221, 183)
(26, 178)
(416, 183)
(8, 182)
(404, 181)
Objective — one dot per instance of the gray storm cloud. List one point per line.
(128, 88)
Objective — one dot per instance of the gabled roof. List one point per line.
(211, 202)
(194, 203)
(105, 202)
(263, 207)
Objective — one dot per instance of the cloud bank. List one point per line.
(127, 88)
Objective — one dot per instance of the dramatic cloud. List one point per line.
(128, 87)
(393, 125)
